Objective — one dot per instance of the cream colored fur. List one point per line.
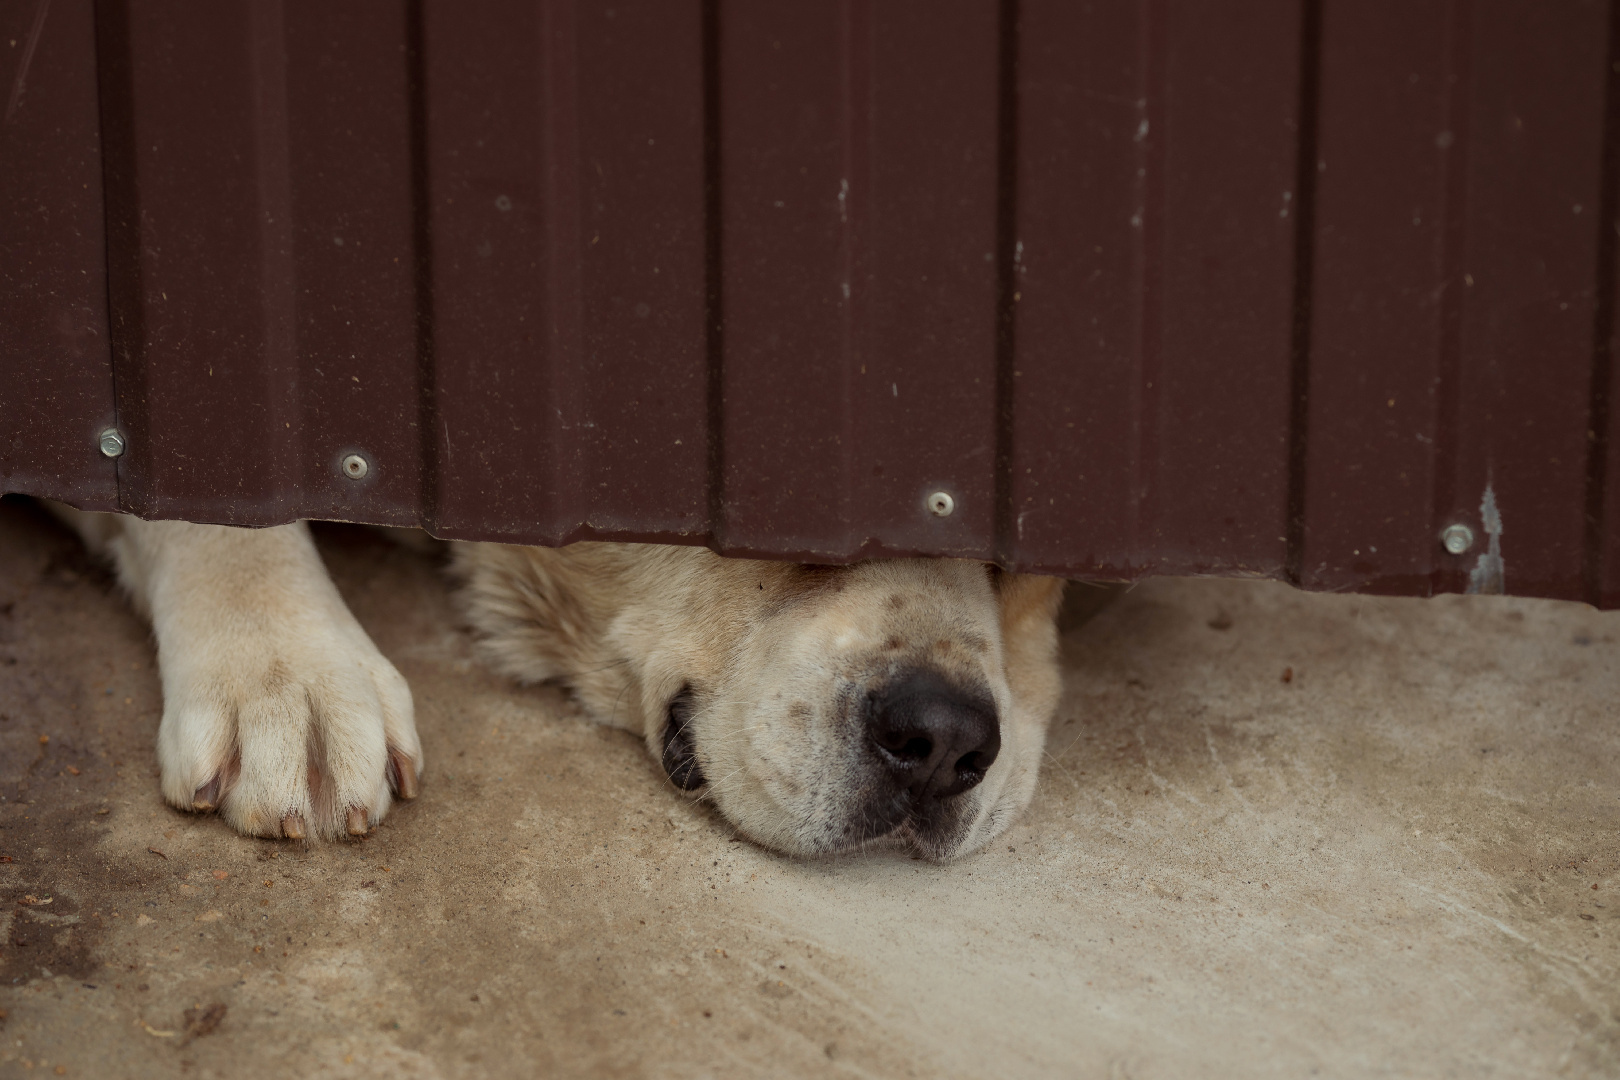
(775, 654)
(280, 713)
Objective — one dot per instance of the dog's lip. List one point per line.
(909, 830)
(906, 836)
(937, 837)
(937, 849)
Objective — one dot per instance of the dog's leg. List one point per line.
(278, 711)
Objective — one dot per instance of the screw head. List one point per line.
(940, 504)
(111, 442)
(355, 467)
(1456, 539)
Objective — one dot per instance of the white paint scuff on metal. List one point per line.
(1489, 575)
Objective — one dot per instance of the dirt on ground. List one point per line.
(1277, 834)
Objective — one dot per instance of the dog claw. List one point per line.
(292, 826)
(357, 821)
(401, 774)
(207, 796)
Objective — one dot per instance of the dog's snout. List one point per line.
(935, 739)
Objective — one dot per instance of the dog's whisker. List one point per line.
(598, 670)
(625, 689)
(719, 785)
(1048, 755)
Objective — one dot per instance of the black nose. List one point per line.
(935, 739)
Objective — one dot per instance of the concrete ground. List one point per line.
(1278, 835)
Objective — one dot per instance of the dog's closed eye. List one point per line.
(680, 756)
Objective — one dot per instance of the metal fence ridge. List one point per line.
(1319, 290)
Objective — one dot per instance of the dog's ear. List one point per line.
(1025, 597)
(1029, 641)
(1029, 609)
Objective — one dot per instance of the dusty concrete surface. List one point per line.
(1403, 861)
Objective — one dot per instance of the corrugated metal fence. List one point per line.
(1166, 286)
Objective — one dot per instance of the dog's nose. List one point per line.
(935, 739)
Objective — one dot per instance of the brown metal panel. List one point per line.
(259, 244)
(1528, 258)
(1151, 388)
(1378, 304)
(1453, 294)
(566, 189)
(1602, 512)
(350, 234)
(858, 183)
(56, 389)
(1083, 125)
(1603, 479)
(197, 272)
(768, 276)
(1604, 525)
(1604, 536)
(1216, 495)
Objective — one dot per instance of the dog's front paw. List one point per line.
(291, 729)
(278, 711)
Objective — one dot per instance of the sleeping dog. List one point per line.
(819, 708)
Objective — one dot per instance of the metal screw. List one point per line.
(355, 467)
(1456, 539)
(112, 443)
(941, 504)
